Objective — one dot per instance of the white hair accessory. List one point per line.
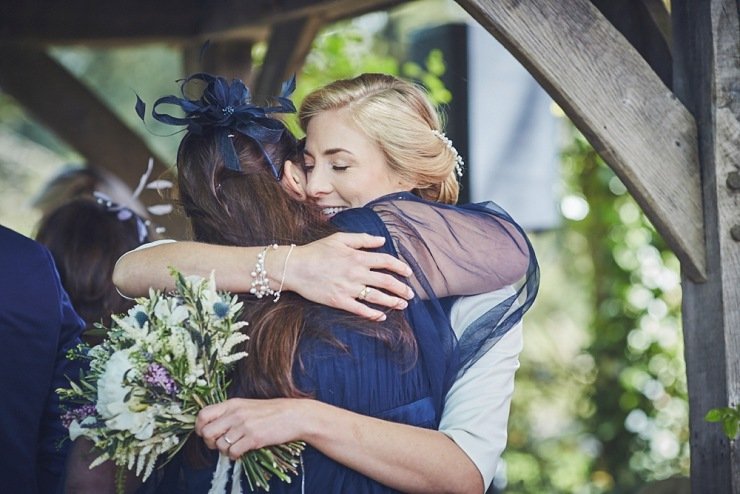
(459, 163)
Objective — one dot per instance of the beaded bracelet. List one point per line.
(260, 281)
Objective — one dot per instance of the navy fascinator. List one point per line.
(226, 108)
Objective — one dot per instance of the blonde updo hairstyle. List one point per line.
(400, 118)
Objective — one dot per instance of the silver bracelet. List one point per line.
(260, 281)
(285, 269)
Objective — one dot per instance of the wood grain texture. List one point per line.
(707, 71)
(287, 49)
(630, 117)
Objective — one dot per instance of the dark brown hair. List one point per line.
(86, 240)
(250, 208)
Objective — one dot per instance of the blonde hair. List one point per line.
(400, 118)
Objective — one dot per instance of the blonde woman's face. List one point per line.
(344, 167)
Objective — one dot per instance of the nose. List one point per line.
(318, 183)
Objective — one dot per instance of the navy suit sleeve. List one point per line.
(37, 325)
(53, 442)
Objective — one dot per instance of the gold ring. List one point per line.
(363, 293)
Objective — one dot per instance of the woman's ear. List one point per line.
(294, 180)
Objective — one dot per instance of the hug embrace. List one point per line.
(385, 321)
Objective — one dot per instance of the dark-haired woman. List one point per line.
(353, 439)
(86, 238)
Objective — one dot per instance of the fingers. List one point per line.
(396, 289)
(387, 262)
(378, 297)
(207, 415)
(362, 310)
(359, 240)
(231, 443)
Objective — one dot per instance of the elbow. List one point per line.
(122, 278)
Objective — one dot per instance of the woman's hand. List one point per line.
(239, 425)
(333, 271)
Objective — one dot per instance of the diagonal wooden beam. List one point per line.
(633, 19)
(228, 58)
(68, 108)
(287, 48)
(613, 96)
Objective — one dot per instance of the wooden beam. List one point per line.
(231, 18)
(707, 70)
(630, 117)
(82, 21)
(231, 59)
(74, 113)
(632, 18)
(139, 21)
(661, 18)
(287, 49)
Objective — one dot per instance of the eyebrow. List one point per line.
(329, 152)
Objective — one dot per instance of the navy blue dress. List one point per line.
(368, 377)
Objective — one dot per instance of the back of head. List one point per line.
(400, 118)
(82, 182)
(229, 165)
(86, 239)
(246, 207)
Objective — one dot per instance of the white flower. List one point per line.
(170, 311)
(76, 428)
(131, 415)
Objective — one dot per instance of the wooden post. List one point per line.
(287, 48)
(231, 59)
(706, 38)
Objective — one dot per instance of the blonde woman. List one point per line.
(374, 152)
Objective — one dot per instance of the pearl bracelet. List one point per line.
(260, 281)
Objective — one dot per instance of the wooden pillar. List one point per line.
(231, 59)
(287, 48)
(706, 51)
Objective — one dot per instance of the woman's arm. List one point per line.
(404, 457)
(331, 271)
(456, 250)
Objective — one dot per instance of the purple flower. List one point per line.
(78, 414)
(157, 376)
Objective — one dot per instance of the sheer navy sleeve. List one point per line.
(454, 251)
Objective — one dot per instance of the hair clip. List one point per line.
(226, 108)
(459, 163)
(125, 213)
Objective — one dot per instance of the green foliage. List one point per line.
(600, 400)
(639, 391)
(430, 76)
(730, 418)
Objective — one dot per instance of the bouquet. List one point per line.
(162, 362)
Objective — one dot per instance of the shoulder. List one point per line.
(21, 256)
(359, 220)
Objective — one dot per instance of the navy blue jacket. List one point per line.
(37, 326)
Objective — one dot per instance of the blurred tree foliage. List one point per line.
(623, 421)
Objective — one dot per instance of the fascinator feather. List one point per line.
(226, 108)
